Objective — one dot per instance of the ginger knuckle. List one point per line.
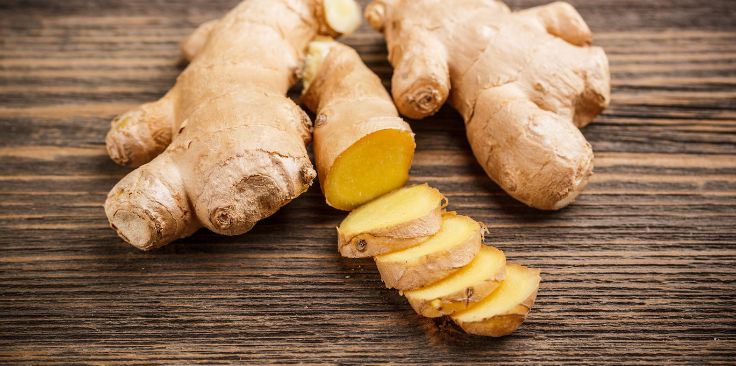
(573, 85)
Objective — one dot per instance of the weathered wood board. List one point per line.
(641, 269)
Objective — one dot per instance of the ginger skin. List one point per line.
(524, 82)
(225, 147)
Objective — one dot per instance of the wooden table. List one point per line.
(641, 269)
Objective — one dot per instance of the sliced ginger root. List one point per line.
(463, 288)
(225, 147)
(395, 221)
(524, 82)
(439, 262)
(501, 312)
(452, 247)
(362, 148)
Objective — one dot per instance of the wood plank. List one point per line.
(640, 270)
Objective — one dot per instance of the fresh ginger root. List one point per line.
(524, 82)
(362, 148)
(225, 147)
(442, 268)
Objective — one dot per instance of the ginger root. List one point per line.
(225, 147)
(362, 148)
(441, 269)
(524, 82)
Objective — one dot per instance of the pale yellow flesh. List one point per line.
(486, 265)
(316, 53)
(520, 283)
(395, 208)
(344, 16)
(375, 165)
(454, 231)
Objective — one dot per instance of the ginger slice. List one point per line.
(375, 164)
(398, 220)
(454, 246)
(463, 288)
(501, 312)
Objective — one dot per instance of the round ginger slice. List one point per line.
(454, 246)
(501, 312)
(395, 221)
(463, 288)
(372, 166)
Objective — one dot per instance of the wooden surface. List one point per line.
(640, 270)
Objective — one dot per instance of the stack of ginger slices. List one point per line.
(438, 261)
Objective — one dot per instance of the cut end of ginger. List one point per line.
(463, 288)
(343, 16)
(501, 312)
(133, 228)
(373, 166)
(454, 246)
(316, 54)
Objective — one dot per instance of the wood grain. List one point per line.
(640, 270)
